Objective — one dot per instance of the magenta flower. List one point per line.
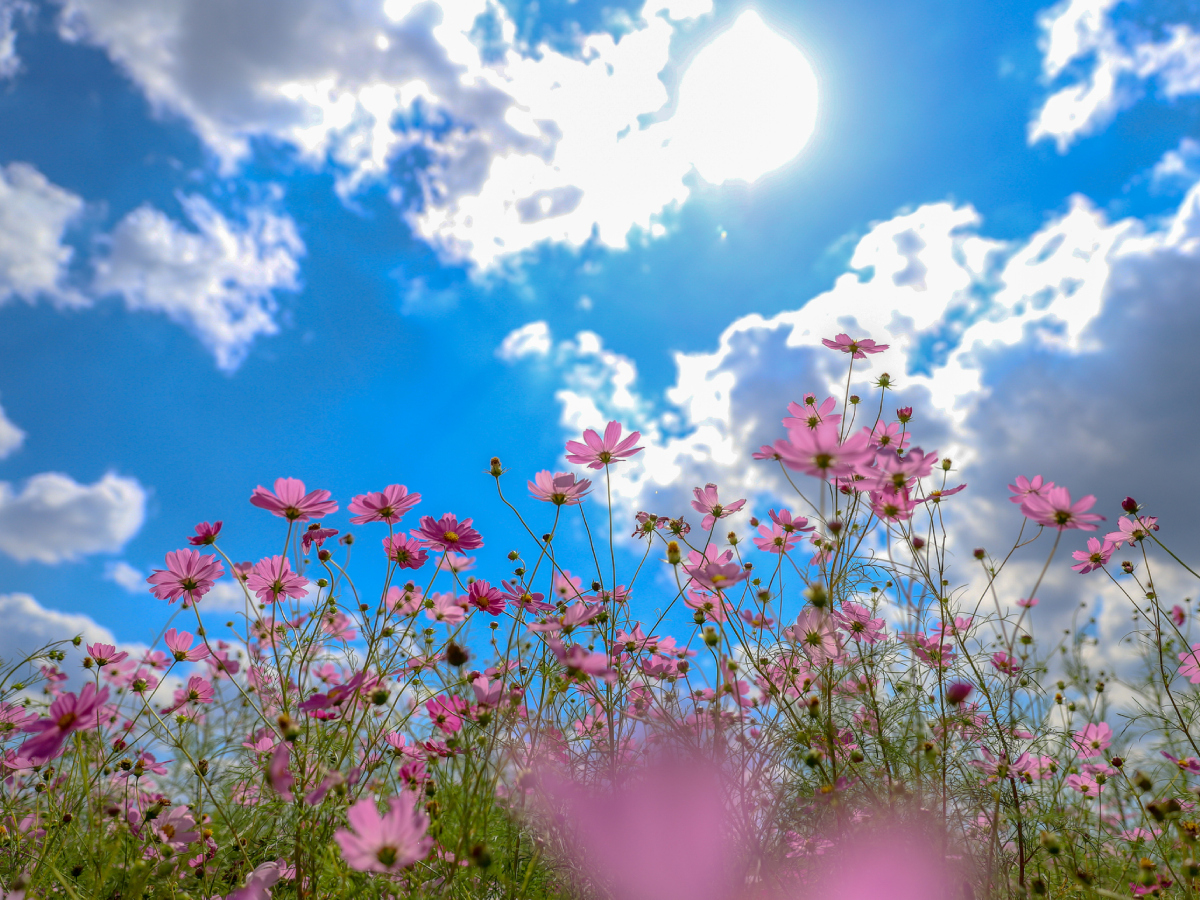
(67, 714)
(706, 502)
(1093, 740)
(446, 712)
(386, 843)
(272, 578)
(596, 453)
(858, 622)
(1178, 616)
(809, 414)
(388, 505)
(482, 595)
(405, 552)
(106, 654)
(773, 539)
(289, 501)
(448, 534)
(857, 349)
(958, 691)
(1002, 662)
(187, 573)
(818, 452)
(180, 645)
(1054, 509)
(205, 534)
(1096, 556)
(315, 534)
(523, 598)
(198, 690)
(561, 488)
(1028, 487)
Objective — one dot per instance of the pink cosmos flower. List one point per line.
(788, 523)
(1085, 784)
(773, 539)
(279, 775)
(482, 595)
(405, 552)
(858, 622)
(1054, 509)
(272, 578)
(818, 452)
(706, 502)
(958, 691)
(315, 534)
(187, 573)
(1002, 662)
(1028, 487)
(1191, 664)
(446, 608)
(67, 714)
(258, 883)
(809, 414)
(448, 533)
(815, 632)
(446, 712)
(1093, 740)
(857, 349)
(1177, 615)
(711, 605)
(180, 645)
(892, 506)
(289, 501)
(1096, 556)
(388, 505)
(561, 488)
(386, 843)
(523, 598)
(205, 534)
(890, 437)
(580, 662)
(1132, 531)
(106, 654)
(198, 690)
(596, 453)
(715, 575)
(487, 693)
(1028, 602)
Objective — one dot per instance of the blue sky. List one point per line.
(243, 241)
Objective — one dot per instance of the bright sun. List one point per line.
(747, 103)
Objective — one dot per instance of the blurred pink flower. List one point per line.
(820, 453)
(386, 843)
(1054, 509)
(67, 714)
(1027, 487)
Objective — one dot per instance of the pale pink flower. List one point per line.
(560, 488)
(857, 349)
(788, 523)
(386, 843)
(1133, 530)
(180, 645)
(581, 662)
(858, 622)
(106, 654)
(707, 502)
(1028, 602)
(1027, 487)
(1053, 508)
(711, 605)
(890, 437)
(272, 578)
(819, 452)
(258, 883)
(715, 575)
(289, 501)
(1002, 662)
(447, 608)
(1177, 615)
(1093, 740)
(596, 452)
(815, 632)
(1085, 784)
(1191, 664)
(773, 539)
(1096, 556)
(388, 505)
(188, 574)
(809, 414)
(448, 533)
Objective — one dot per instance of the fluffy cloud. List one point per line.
(34, 215)
(54, 518)
(218, 279)
(514, 144)
(11, 436)
(126, 576)
(9, 10)
(1113, 62)
(26, 625)
(530, 340)
(1177, 168)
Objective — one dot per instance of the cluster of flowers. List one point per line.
(331, 744)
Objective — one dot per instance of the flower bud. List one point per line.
(979, 553)
(1142, 781)
(918, 543)
(711, 638)
(673, 555)
(904, 414)
(884, 381)
(958, 691)
(456, 655)
(855, 399)
(513, 555)
(324, 555)
(1129, 505)
(946, 464)
(495, 469)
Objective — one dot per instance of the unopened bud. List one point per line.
(673, 555)
(979, 553)
(456, 655)
(855, 399)
(324, 555)
(918, 543)
(946, 464)
(817, 595)
(711, 638)
(513, 555)
(1129, 505)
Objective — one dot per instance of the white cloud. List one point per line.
(528, 340)
(126, 576)
(54, 518)
(218, 279)
(524, 144)
(1177, 168)
(26, 625)
(11, 436)
(34, 215)
(1113, 63)
(9, 10)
